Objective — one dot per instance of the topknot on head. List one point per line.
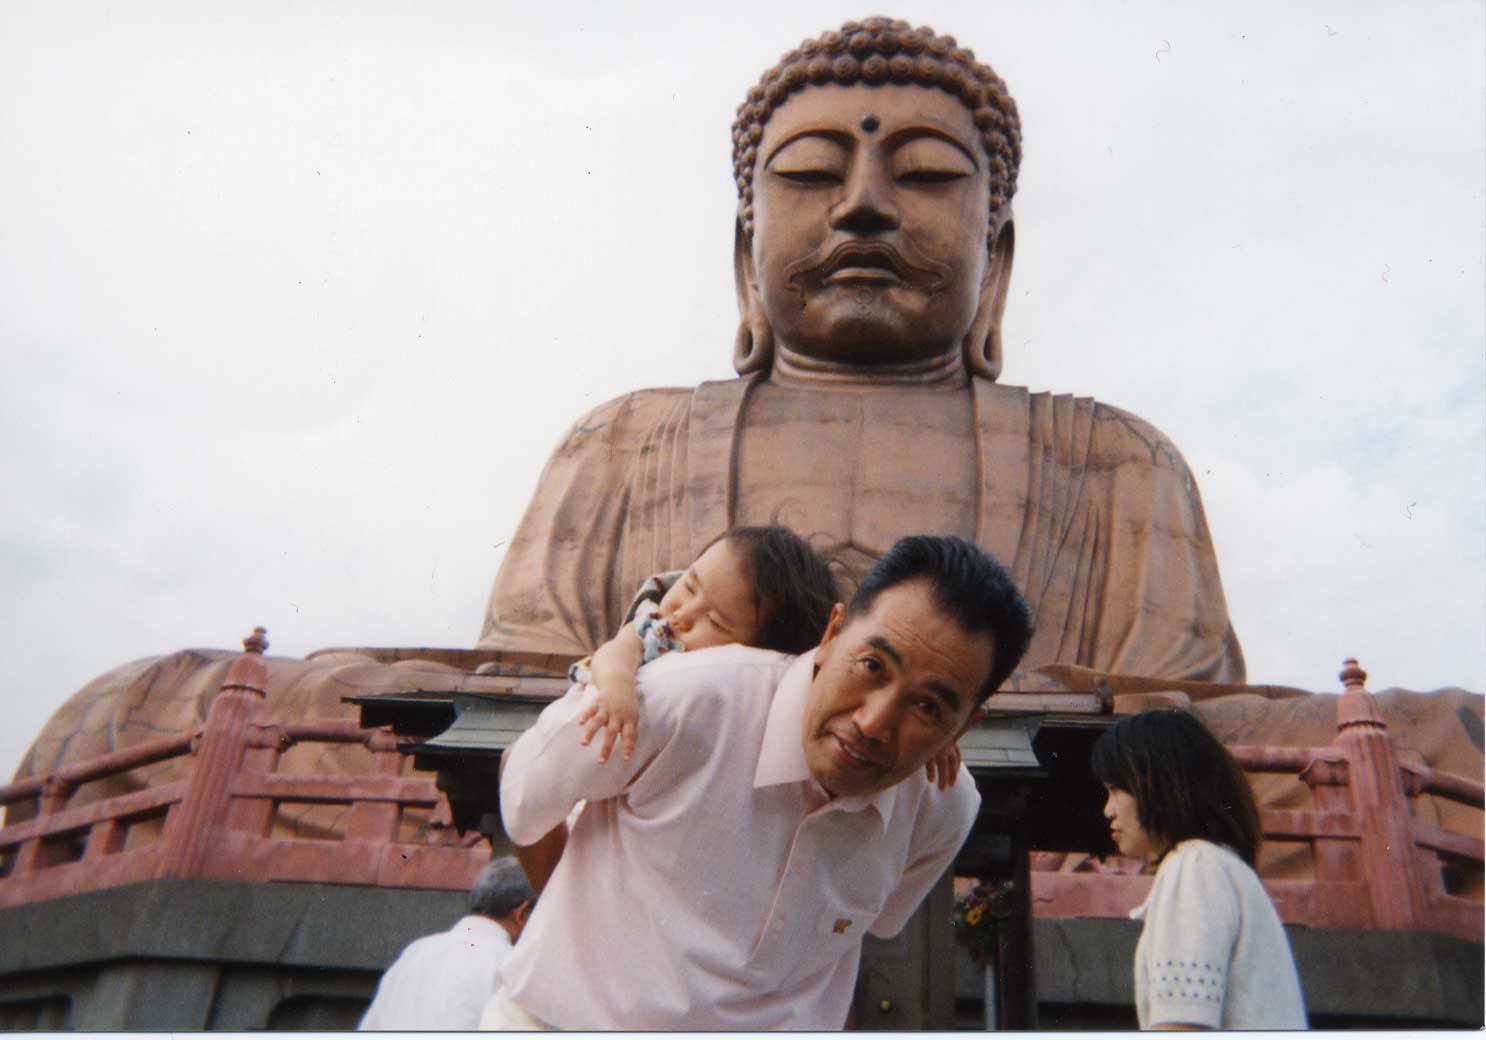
(881, 50)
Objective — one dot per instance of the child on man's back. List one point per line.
(759, 586)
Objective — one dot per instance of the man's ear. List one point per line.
(753, 348)
(833, 627)
(982, 347)
(521, 913)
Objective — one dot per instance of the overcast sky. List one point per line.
(295, 299)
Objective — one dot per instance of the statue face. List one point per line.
(870, 223)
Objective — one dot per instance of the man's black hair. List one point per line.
(968, 585)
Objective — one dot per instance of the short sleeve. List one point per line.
(1192, 922)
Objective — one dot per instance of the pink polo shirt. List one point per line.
(710, 884)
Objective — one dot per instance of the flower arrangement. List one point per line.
(978, 914)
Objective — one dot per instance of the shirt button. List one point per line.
(778, 925)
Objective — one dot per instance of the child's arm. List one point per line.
(614, 707)
(944, 766)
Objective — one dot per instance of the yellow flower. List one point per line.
(976, 913)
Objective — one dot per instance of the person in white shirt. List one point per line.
(1212, 953)
(443, 981)
(776, 808)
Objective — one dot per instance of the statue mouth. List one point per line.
(852, 261)
(866, 263)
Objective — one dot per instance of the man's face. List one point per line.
(870, 216)
(890, 689)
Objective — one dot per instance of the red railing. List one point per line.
(1376, 865)
(223, 818)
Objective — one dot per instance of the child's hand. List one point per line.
(616, 711)
(944, 766)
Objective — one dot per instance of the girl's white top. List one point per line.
(1213, 951)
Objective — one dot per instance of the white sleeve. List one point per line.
(1191, 925)
(547, 771)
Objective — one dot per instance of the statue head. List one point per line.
(875, 168)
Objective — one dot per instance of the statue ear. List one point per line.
(983, 343)
(753, 349)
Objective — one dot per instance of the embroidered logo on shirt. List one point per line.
(842, 923)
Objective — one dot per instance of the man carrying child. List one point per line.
(775, 808)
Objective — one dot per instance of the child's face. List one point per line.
(712, 603)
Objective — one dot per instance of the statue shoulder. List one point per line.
(625, 421)
(1084, 428)
(1122, 436)
(630, 419)
(637, 406)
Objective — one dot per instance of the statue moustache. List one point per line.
(907, 262)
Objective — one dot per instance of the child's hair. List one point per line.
(1184, 781)
(793, 589)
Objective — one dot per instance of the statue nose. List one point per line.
(867, 205)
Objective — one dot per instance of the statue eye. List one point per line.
(930, 176)
(930, 160)
(809, 176)
(809, 160)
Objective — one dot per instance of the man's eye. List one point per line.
(870, 665)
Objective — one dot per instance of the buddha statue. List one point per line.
(875, 168)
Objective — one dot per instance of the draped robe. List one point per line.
(1093, 509)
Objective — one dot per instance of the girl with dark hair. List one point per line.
(1212, 952)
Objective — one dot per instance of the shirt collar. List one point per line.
(781, 760)
(485, 928)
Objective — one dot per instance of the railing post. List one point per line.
(1326, 776)
(260, 756)
(377, 820)
(1394, 891)
(52, 799)
(192, 824)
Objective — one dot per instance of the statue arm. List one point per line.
(1160, 609)
(589, 536)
